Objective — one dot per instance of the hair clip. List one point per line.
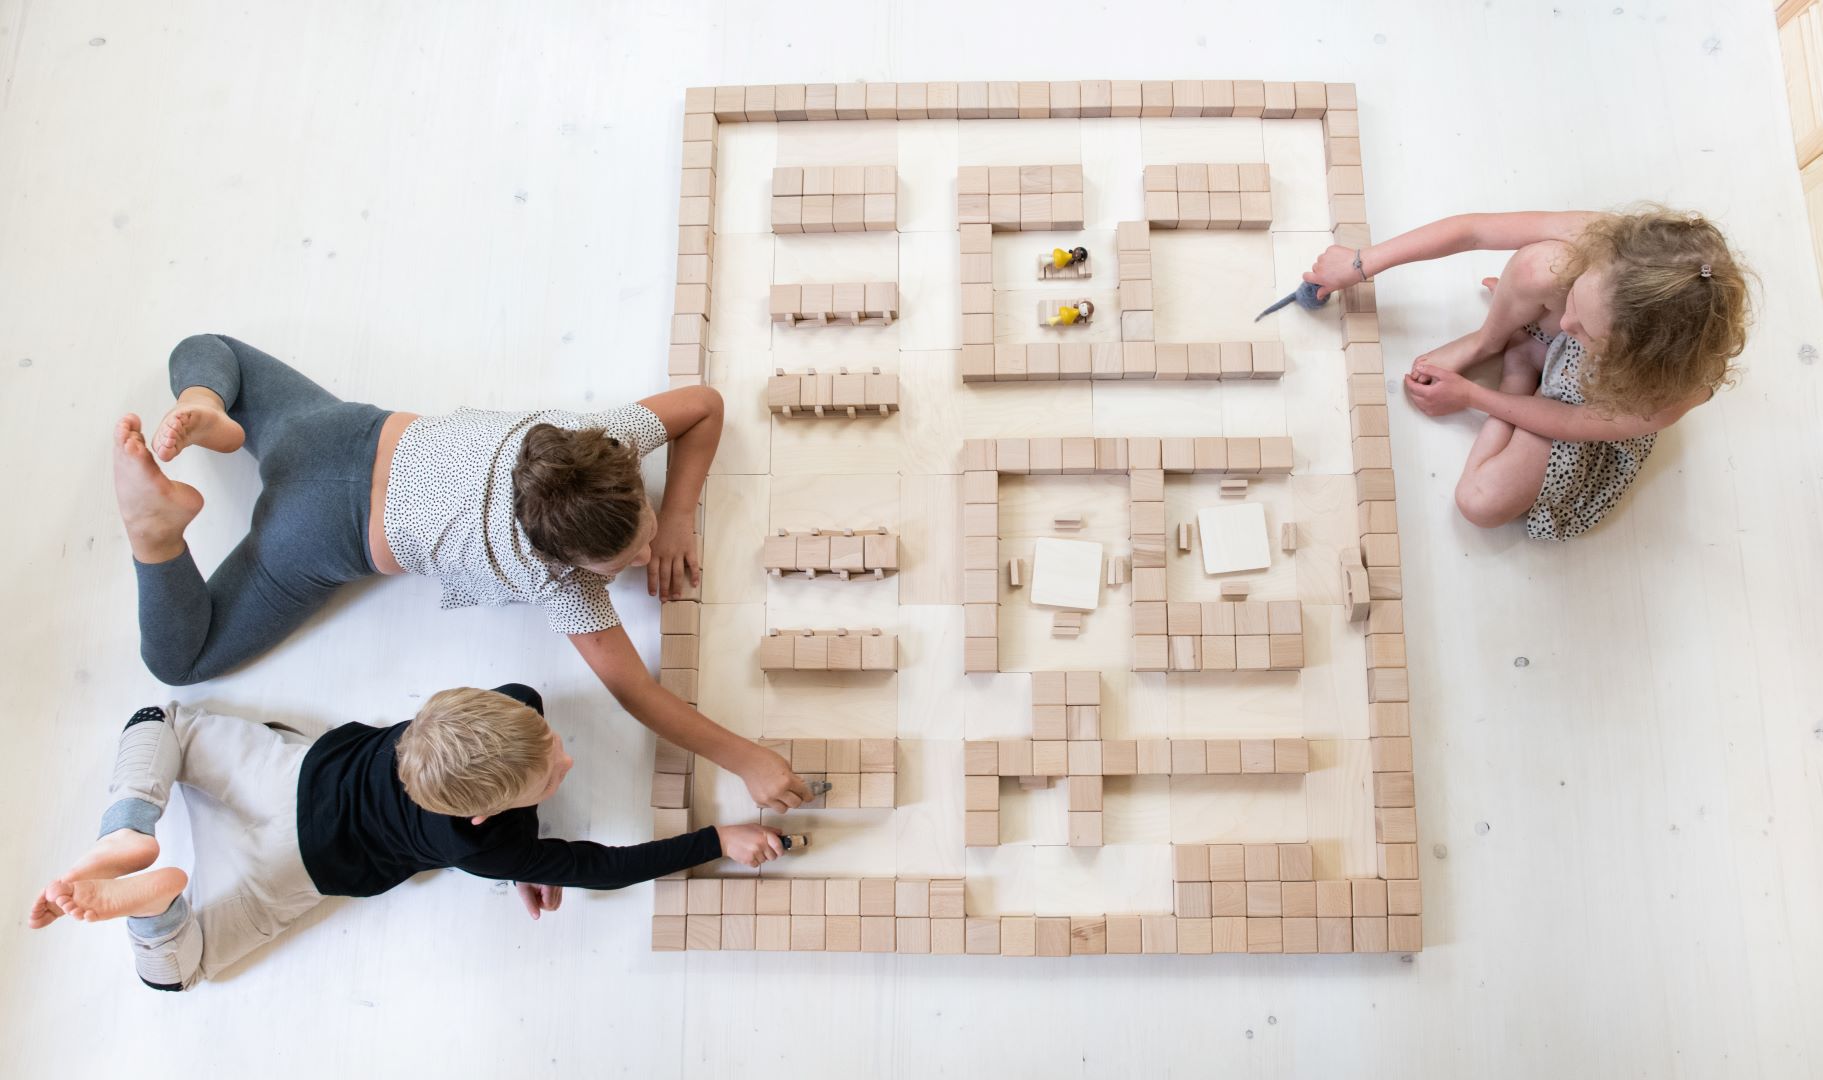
(1705, 270)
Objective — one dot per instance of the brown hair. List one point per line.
(470, 752)
(1679, 301)
(577, 494)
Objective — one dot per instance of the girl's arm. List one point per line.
(1438, 392)
(692, 416)
(1570, 423)
(610, 654)
(1335, 268)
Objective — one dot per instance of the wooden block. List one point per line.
(1186, 654)
(1046, 456)
(1291, 755)
(1221, 757)
(669, 933)
(1260, 861)
(980, 654)
(1119, 757)
(1398, 861)
(981, 794)
(1125, 98)
(1049, 758)
(1395, 825)
(1082, 723)
(1155, 98)
(1280, 101)
(1188, 757)
(1178, 454)
(1161, 209)
(981, 936)
(1309, 101)
(1253, 652)
(1298, 899)
(1148, 584)
(1265, 935)
(879, 790)
(820, 101)
(1191, 899)
(1097, 98)
(1082, 757)
(1258, 755)
(1151, 652)
(878, 933)
(1190, 862)
(1014, 757)
(1263, 899)
(670, 791)
(1003, 100)
(1078, 453)
(981, 828)
(1018, 935)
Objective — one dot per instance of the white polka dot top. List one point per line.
(449, 512)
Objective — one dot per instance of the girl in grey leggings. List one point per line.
(310, 523)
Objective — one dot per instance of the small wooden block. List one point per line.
(1258, 756)
(981, 828)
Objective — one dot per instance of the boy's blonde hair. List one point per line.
(1675, 328)
(470, 752)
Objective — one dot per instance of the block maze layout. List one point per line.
(1261, 575)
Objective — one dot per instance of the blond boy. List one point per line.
(353, 813)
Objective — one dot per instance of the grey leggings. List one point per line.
(309, 531)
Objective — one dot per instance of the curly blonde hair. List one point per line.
(1675, 326)
(471, 752)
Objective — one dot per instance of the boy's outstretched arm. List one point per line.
(692, 416)
(1335, 268)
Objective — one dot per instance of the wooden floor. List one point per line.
(1619, 741)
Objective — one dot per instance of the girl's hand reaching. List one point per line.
(1437, 391)
(673, 565)
(1334, 269)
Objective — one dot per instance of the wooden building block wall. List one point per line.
(859, 303)
(1376, 914)
(835, 198)
(832, 395)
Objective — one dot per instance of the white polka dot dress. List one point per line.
(449, 512)
(1582, 480)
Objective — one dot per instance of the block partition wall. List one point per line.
(1227, 897)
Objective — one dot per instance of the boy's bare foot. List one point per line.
(143, 895)
(154, 508)
(121, 852)
(197, 419)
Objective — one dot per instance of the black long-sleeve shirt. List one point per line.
(360, 834)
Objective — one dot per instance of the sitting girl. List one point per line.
(1610, 327)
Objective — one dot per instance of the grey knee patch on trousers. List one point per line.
(167, 947)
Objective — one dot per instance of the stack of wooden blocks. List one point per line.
(844, 552)
(1020, 198)
(1201, 196)
(980, 569)
(1133, 252)
(1087, 98)
(695, 249)
(872, 303)
(1072, 747)
(835, 198)
(1250, 635)
(1066, 710)
(679, 624)
(829, 650)
(861, 773)
(672, 770)
(877, 915)
(1264, 898)
(841, 393)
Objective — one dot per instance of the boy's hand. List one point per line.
(1436, 391)
(540, 898)
(1334, 269)
(772, 783)
(750, 845)
(674, 563)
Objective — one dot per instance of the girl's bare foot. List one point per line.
(1457, 356)
(1488, 283)
(198, 419)
(143, 895)
(121, 852)
(154, 508)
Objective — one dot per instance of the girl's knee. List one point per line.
(1484, 508)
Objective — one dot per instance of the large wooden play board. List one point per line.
(1194, 770)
